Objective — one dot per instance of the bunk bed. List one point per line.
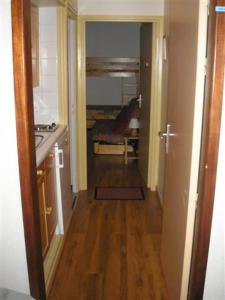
(108, 134)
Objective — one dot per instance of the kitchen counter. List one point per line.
(49, 140)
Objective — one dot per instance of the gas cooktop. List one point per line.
(46, 127)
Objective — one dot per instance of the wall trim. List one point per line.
(62, 64)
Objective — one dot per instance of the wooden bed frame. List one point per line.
(113, 67)
(111, 149)
(123, 67)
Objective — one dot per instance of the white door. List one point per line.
(186, 54)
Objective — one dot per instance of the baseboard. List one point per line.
(52, 260)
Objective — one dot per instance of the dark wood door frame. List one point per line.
(26, 145)
(210, 145)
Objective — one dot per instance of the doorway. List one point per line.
(118, 93)
(155, 94)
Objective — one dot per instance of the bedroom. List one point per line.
(118, 76)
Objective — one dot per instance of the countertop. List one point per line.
(49, 140)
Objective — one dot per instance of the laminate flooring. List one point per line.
(112, 248)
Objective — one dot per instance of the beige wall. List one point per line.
(121, 7)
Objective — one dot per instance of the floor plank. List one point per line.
(112, 248)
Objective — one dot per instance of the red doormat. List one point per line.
(119, 193)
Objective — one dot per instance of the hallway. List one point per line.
(112, 247)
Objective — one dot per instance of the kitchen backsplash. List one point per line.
(46, 94)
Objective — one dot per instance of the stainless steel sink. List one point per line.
(38, 139)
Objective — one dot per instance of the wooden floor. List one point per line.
(112, 247)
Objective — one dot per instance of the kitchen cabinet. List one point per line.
(47, 200)
(51, 206)
(42, 205)
(35, 44)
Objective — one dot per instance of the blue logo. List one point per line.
(220, 8)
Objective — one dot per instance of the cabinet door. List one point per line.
(41, 197)
(35, 44)
(51, 207)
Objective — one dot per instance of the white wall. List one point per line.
(215, 275)
(113, 39)
(108, 39)
(13, 264)
(121, 7)
(46, 95)
(104, 91)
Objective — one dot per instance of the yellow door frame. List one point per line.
(156, 93)
(63, 13)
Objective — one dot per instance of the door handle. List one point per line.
(167, 136)
(162, 135)
(61, 160)
(139, 100)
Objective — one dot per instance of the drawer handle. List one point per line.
(48, 210)
(61, 159)
(40, 172)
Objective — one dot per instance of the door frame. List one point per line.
(23, 88)
(63, 14)
(209, 150)
(24, 114)
(156, 94)
(71, 16)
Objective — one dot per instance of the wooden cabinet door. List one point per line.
(41, 197)
(35, 44)
(50, 182)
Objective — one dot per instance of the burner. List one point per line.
(46, 127)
